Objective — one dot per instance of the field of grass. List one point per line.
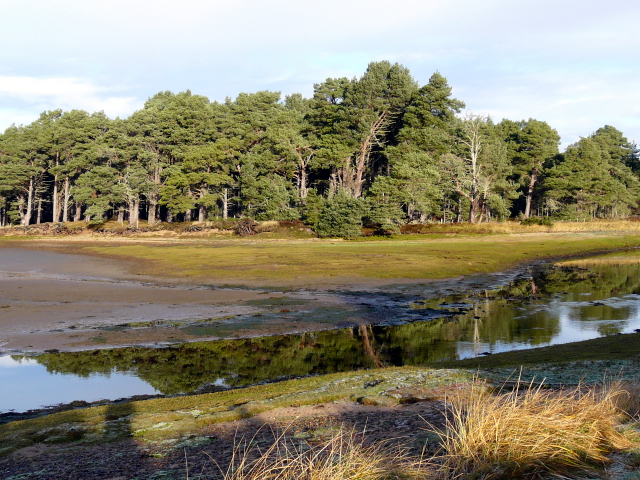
(292, 262)
(278, 257)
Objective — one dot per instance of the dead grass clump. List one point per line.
(344, 457)
(629, 399)
(267, 226)
(507, 227)
(531, 432)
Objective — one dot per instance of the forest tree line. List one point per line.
(378, 149)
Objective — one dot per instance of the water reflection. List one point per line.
(27, 384)
(556, 304)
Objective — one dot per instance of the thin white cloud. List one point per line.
(38, 94)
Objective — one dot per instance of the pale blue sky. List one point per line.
(574, 64)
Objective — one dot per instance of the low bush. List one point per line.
(542, 221)
(340, 216)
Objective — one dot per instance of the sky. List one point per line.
(572, 63)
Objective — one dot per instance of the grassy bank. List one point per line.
(324, 262)
(158, 419)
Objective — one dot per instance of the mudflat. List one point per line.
(52, 300)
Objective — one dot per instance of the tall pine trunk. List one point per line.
(365, 151)
(134, 212)
(28, 207)
(56, 200)
(474, 210)
(65, 209)
(302, 188)
(77, 216)
(39, 217)
(225, 204)
(153, 209)
(532, 184)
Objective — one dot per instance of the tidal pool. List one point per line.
(546, 305)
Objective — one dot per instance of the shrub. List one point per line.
(340, 216)
(544, 221)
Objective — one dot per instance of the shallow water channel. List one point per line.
(541, 306)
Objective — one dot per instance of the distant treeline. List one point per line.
(378, 149)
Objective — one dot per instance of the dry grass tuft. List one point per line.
(531, 432)
(628, 401)
(344, 457)
(267, 226)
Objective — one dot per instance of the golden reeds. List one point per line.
(530, 432)
(343, 457)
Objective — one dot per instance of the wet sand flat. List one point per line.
(51, 300)
(43, 291)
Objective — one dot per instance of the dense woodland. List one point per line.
(380, 150)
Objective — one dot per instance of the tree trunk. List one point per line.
(301, 177)
(303, 183)
(473, 210)
(152, 218)
(169, 215)
(532, 184)
(225, 205)
(153, 208)
(121, 215)
(26, 218)
(134, 208)
(65, 209)
(39, 217)
(56, 200)
(187, 216)
(365, 150)
(78, 213)
(202, 213)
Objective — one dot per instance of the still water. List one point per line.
(555, 304)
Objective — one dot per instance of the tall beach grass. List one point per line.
(343, 457)
(532, 432)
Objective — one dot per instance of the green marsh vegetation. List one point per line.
(291, 263)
